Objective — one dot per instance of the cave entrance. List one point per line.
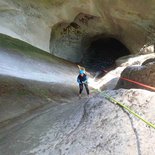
(102, 53)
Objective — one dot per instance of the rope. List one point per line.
(111, 99)
(138, 83)
(135, 82)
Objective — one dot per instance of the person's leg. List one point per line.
(80, 88)
(87, 89)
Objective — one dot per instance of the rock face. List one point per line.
(66, 27)
(70, 40)
(135, 60)
(87, 126)
(144, 74)
(31, 78)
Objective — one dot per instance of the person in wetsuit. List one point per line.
(82, 79)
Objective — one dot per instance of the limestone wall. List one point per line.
(131, 22)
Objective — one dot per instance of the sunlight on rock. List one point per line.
(44, 110)
(147, 49)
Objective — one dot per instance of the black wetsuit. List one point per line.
(82, 80)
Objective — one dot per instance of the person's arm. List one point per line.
(86, 80)
(78, 80)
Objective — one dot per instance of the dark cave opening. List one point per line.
(102, 53)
